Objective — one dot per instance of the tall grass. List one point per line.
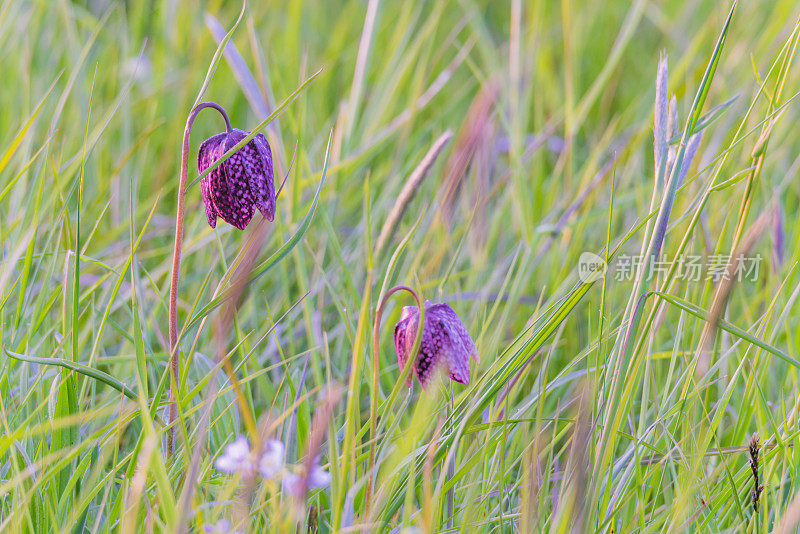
(470, 149)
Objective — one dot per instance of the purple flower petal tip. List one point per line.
(297, 485)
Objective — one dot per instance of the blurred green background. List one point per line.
(549, 107)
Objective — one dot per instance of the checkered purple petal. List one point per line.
(241, 183)
(210, 151)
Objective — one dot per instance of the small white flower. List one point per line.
(236, 457)
(271, 459)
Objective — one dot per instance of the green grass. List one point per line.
(625, 404)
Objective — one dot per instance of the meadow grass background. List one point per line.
(545, 112)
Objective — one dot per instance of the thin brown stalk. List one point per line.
(361, 63)
(791, 517)
(424, 99)
(204, 425)
(577, 478)
(409, 189)
(575, 206)
(319, 428)
(473, 132)
(429, 507)
(134, 497)
(724, 288)
(757, 163)
(239, 276)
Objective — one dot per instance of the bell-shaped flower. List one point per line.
(242, 182)
(446, 343)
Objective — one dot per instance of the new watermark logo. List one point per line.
(690, 268)
(591, 267)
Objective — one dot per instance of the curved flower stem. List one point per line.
(376, 363)
(176, 264)
(451, 408)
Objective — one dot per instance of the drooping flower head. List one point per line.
(242, 182)
(446, 343)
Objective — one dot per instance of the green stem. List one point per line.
(376, 363)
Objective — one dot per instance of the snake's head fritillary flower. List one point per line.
(271, 461)
(446, 343)
(242, 182)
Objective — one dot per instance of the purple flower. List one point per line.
(292, 483)
(318, 478)
(236, 458)
(446, 343)
(241, 182)
(271, 461)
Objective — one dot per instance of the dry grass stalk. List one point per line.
(724, 288)
(361, 64)
(409, 189)
(473, 132)
(791, 517)
(485, 158)
(319, 429)
(577, 468)
(137, 485)
(249, 253)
